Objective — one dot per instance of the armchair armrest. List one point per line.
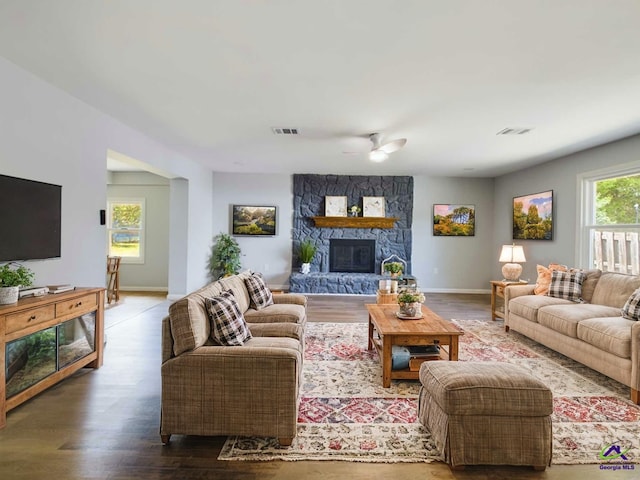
(635, 362)
(283, 329)
(247, 390)
(296, 298)
(513, 291)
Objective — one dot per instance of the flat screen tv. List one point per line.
(30, 219)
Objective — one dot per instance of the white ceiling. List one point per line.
(210, 78)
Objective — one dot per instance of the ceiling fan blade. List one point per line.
(393, 145)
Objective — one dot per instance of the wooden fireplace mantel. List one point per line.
(354, 222)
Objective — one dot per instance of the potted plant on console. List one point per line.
(306, 252)
(12, 277)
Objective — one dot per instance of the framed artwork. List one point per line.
(454, 220)
(373, 207)
(335, 206)
(533, 216)
(254, 221)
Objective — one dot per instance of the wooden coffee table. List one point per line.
(390, 330)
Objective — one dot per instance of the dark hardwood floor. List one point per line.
(103, 424)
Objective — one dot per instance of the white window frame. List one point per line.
(586, 221)
(116, 201)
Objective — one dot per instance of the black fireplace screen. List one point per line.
(352, 256)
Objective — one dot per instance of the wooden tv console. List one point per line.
(67, 330)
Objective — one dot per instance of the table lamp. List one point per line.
(511, 254)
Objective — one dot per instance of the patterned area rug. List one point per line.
(345, 414)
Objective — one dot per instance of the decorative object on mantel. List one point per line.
(306, 252)
(354, 210)
(454, 220)
(335, 206)
(373, 207)
(509, 255)
(354, 222)
(12, 277)
(410, 304)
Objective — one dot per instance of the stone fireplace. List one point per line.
(309, 193)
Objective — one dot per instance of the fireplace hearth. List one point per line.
(350, 255)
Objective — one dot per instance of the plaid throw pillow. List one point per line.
(259, 293)
(567, 285)
(228, 326)
(631, 309)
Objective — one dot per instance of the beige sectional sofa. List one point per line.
(249, 390)
(593, 333)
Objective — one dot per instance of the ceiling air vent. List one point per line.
(514, 131)
(284, 131)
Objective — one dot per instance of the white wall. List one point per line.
(47, 135)
(560, 176)
(153, 274)
(269, 255)
(462, 263)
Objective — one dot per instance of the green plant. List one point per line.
(393, 267)
(15, 276)
(411, 297)
(225, 256)
(307, 251)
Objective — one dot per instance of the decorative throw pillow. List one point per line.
(544, 277)
(259, 293)
(567, 285)
(228, 325)
(631, 309)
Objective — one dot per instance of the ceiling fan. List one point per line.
(380, 150)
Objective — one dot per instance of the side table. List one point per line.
(497, 291)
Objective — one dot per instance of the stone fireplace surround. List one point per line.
(308, 201)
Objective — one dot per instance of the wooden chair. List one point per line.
(113, 279)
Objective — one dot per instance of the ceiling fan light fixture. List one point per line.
(378, 155)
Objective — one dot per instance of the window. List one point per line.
(610, 226)
(125, 229)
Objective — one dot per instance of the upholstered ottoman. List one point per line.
(486, 413)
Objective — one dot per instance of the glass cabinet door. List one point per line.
(29, 360)
(76, 339)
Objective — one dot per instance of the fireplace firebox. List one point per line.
(350, 255)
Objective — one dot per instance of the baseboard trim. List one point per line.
(144, 289)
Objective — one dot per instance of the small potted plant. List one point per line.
(354, 210)
(225, 256)
(394, 268)
(12, 277)
(306, 252)
(410, 303)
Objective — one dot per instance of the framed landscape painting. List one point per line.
(533, 216)
(254, 221)
(451, 220)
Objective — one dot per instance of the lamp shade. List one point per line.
(512, 254)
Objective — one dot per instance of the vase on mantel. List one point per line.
(305, 268)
